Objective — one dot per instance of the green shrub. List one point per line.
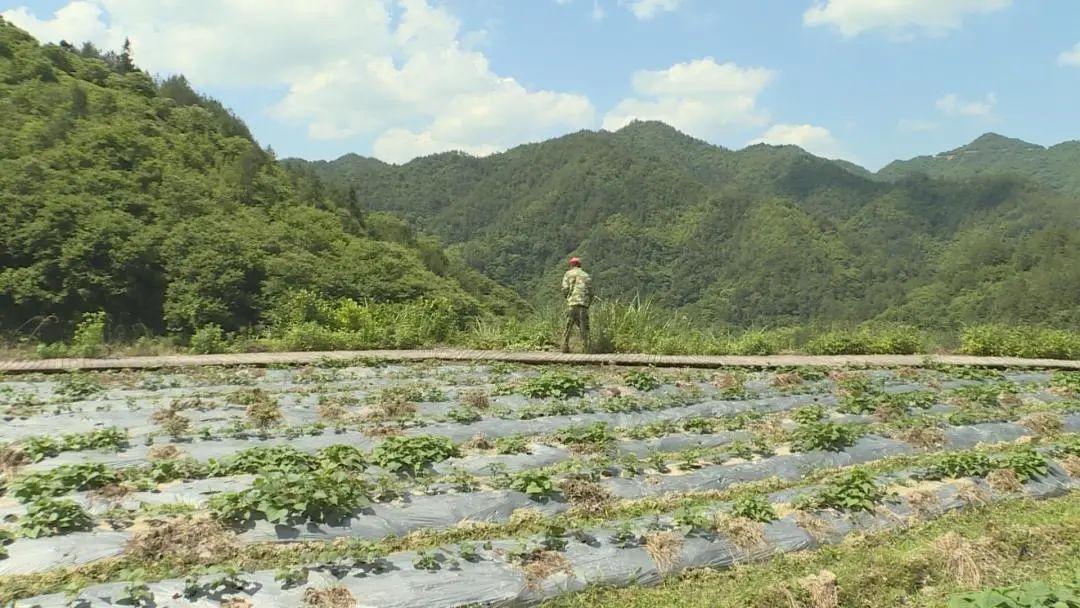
(49, 517)
(208, 340)
(411, 455)
(1009, 341)
(63, 479)
(89, 339)
(278, 459)
(343, 457)
(827, 436)
(554, 384)
(1026, 463)
(839, 342)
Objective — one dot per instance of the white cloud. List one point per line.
(899, 17)
(647, 9)
(814, 139)
(700, 97)
(1071, 56)
(953, 105)
(399, 72)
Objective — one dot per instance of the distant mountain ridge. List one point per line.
(991, 154)
(765, 234)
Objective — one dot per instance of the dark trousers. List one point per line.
(579, 316)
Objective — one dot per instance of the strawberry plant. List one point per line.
(827, 436)
(537, 484)
(289, 498)
(411, 455)
(753, 506)
(1026, 463)
(554, 384)
(959, 464)
(855, 491)
(597, 436)
(49, 517)
(641, 380)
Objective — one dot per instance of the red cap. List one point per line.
(575, 261)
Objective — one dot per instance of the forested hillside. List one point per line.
(152, 203)
(762, 236)
(991, 154)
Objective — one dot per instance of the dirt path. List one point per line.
(54, 365)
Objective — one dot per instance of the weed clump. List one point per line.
(184, 541)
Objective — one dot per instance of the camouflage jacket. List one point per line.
(577, 287)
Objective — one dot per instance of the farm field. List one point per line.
(365, 483)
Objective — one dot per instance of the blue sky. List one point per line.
(866, 80)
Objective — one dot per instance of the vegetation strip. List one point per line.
(167, 564)
(764, 361)
(921, 566)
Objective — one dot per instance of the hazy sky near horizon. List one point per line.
(864, 80)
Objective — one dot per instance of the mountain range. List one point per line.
(763, 235)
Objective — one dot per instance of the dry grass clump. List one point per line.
(969, 563)
(543, 564)
(11, 458)
(727, 381)
(823, 590)
(168, 451)
(747, 534)
(1071, 464)
(926, 437)
(264, 413)
(1043, 423)
(390, 406)
(970, 492)
(171, 421)
(1004, 480)
(586, 496)
(476, 398)
(236, 602)
(814, 525)
(664, 549)
(907, 373)
(330, 597)
(186, 540)
(924, 503)
(786, 379)
(478, 442)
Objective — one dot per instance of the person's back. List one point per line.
(577, 285)
(577, 288)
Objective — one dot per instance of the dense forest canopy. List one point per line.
(766, 235)
(153, 203)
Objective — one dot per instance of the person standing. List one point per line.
(577, 289)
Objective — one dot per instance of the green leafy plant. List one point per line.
(281, 459)
(536, 483)
(827, 436)
(135, 593)
(462, 480)
(554, 537)
(411, 455)
(63, 479)
(554, 384)
(342, 457)
(289, 498)
(1034, 594)
(959, 464)
(49, 517)
(754, 507)
(291, 576)
(641, 380)
(693, 520)
(1026, 463)
(427, 560)
(597, 436)
(79, 385)
(468, 552)
(512, 444)
(855, 491)
(808, 414)
(624, 536)
(463, 415)
(208, 339)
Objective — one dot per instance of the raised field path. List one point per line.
(533, 357)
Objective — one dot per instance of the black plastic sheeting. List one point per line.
(493, 581)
